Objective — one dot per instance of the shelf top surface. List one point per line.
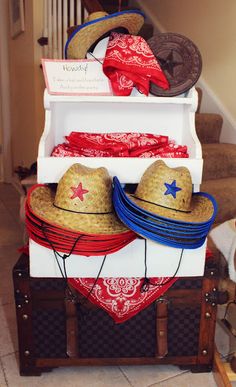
(189, 98)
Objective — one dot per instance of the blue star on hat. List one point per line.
(172, 189)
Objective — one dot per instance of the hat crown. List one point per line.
(84, 189)
(167, 187)
(95, 16)
(96, 26)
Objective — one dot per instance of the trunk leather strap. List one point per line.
(71, 324)
(161, 329)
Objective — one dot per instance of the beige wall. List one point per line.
(27, 85)
(5, 124)
(1, 138)
(211, 25)
(38, 73)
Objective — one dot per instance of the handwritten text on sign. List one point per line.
(75, 77)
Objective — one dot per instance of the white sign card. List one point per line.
(75, 77)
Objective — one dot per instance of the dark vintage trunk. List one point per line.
(55, 330)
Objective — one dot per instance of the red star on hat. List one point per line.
(78, 192)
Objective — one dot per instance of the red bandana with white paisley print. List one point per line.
(129, 62)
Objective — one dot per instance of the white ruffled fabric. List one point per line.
(224, 237)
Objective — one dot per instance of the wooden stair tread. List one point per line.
(219, 160)
(208, 127)
(224, 192)
(219, 372)
(230, 373)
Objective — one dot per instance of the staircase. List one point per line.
(219, 167)
(111, 6)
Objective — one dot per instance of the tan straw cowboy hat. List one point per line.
(167, 192)
(96, 26)
(82, 202)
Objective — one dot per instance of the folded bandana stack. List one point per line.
(146, 145)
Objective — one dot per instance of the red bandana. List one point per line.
(121, 297)
(130, 62)
(146, 145)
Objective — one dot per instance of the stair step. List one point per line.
(219, 161)
(208, 127)
(110, 7)
(224, 191)
(110, 4)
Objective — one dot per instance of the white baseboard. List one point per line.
(15, 182)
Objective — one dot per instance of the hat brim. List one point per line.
(85, 35)
(202, 212)
(160, 236)
(40, 200)
(155, 224)
(151, 226)
(203, 209)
